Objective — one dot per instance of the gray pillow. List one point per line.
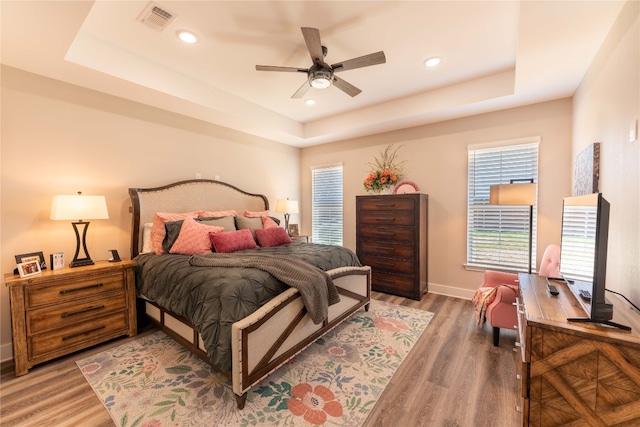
(173, 229)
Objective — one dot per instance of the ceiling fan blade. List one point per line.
(314, 45)
(347, 88)
(303, 89)
(274, 68)
(362, 61)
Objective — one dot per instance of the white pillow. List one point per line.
(147, 244)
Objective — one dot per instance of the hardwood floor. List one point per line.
(453, 377)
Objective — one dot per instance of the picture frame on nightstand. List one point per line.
(57, 261)
(294, 230)
(22, 258)
(29, 268)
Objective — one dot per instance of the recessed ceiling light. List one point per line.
(433, 61)
(309, 101)
(187, 36)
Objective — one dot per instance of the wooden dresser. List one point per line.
(391, 238)
(58, 312)
(571, 373)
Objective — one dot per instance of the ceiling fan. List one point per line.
(322, 75)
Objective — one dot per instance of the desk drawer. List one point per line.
(388, 264)
(387, 234)
(42, 344)
(387, 218)
(70, 314)
(386, 249)
(69, 290)
(384, 203)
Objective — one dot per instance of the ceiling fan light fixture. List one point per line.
(320, 79)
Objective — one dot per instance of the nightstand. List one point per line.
(61, 311)
(305, 239)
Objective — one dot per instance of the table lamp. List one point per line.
(79, 208)
(287, 207)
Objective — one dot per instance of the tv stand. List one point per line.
(575, 372)
(600, 322)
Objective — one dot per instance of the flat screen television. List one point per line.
(583, 254)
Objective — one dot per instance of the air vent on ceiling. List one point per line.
(155, 17)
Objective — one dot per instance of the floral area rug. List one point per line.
(153, 381)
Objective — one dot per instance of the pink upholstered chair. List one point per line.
(501, 311)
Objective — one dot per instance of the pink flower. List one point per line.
(152, 423)
(392, 325)
(91, 367)
(149, 368)
(314, 404)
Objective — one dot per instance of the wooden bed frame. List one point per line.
(280, 329)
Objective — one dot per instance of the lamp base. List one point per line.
(81, 262)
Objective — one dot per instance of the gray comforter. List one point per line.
(213, 298)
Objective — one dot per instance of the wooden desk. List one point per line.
(575, 373)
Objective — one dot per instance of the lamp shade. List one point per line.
(513, 194)
(287, 206)
(79, 207)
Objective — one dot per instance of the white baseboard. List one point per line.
(451, 291)
(6, 352)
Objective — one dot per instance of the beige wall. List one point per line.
(605, 105)
(59, 139)
(436, 159)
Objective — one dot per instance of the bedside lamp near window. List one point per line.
(79, 208)
(287, 207)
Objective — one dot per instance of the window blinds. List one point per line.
(327, 205)
(498, 236)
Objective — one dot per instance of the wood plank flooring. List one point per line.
(454, 377)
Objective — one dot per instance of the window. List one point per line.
(498, 236)
(326, 205)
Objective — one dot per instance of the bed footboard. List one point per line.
(282, 328)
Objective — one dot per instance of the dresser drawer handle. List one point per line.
(386, 219)
(385, 249)
(84, 288)
(385, 205)
(89, 332)
(385, 280)
(86, 310)
(385, 233)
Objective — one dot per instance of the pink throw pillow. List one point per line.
(194, 238)
(272, 237)
(218, 214)
(250, 214)
(231, 241)
(158, 231)
(269, 223)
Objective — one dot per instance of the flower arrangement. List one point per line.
(385, 172)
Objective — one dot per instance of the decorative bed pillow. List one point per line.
(228, 222)
(194, 238)
(250, 223)
(147, 244)
(267, 222)
(250, 214)
(158, 231)
(272, 237)
(232, 241)
(218, 214)
(173, 228)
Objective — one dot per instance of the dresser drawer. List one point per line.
(388, 264)
(84, 332)
(387, 233)
(386, 249)
(69, 314)
(387, 218)
(383, 203)
(399, 285)
(69, 290)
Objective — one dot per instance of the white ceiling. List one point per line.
(496, 54)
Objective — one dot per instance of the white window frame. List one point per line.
(498, 236)
(327, 204)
